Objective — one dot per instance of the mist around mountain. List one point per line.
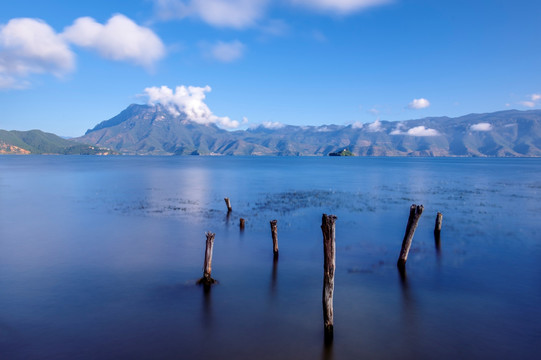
(39, 142)
(153, 130)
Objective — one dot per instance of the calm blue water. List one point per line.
(99, 257)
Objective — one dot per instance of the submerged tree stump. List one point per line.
(241, 223)
(274, 231)
(228, 204)
(207, 266)
(413, 220)
(329, 257)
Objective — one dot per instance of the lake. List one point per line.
(99, 257)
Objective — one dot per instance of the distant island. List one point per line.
(344, 152)
(154, 130)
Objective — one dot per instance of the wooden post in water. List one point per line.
(228, 204)
(207, 266)
(329, 258)
(437, 230)
(413, 220)
(241, 224)
(274, 231)
(437, 227)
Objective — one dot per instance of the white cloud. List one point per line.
(339, 6)
(227, 51)
(529, 104)
(422, 131)
(375, 126)
(481, 127)
(419, 103)
(190, 101)
(273, 125)
(221, 13)
(357, 125)
(119, 39)
(536, 97)
(31, 46)
(398, 129)
(415, 131)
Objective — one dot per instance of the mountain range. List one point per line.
(39, 142)
(154, 130)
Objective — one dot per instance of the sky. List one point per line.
(67, 65)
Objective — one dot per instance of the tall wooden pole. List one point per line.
(207, 266)
(413, 220)
(274, 231)
(228, 204)
(437, 230)
(437, 226)
(329, 257)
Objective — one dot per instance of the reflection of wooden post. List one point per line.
(228, 204)
(241, 223)
(413, 220)
(327, 227)
(207, 266)
(274, 230)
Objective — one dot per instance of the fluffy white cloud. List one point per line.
(422, 131)
(415, 131)
(222, 13)
(190, 101)
(419, 103)
(119, 39)
(273, 125)
(31, 46)
(375, 126)
(536, 97)
(339, 6)
(227, 51)
(481, 127)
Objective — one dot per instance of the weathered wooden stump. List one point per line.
(329, 257)
(274, 231)
(413, 220)
(207, 280)
(241, 223)
(228, 204)
(437, 230)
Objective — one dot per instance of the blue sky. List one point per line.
(67, 65)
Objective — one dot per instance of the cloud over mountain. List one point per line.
(415, 131)
(419, 103)
(189, 101)
(481, 127)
